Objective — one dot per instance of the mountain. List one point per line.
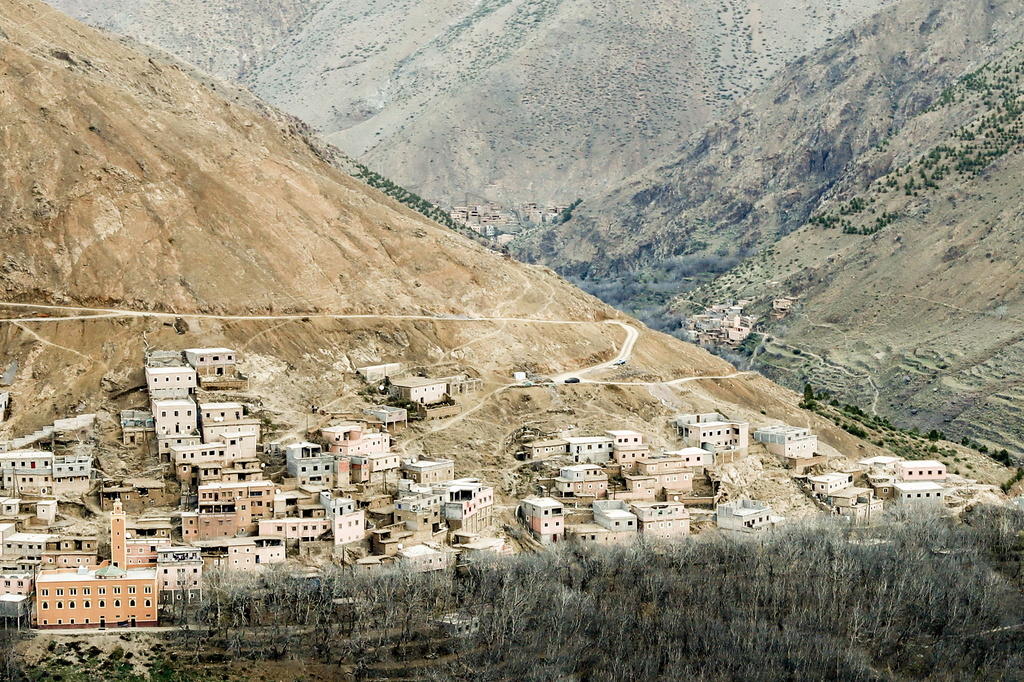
(909, 274)
(510, 100)
(759, 172)
(146, 209)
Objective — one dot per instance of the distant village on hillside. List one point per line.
(501, 224)
(216, 495)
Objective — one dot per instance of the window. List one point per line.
(117, 603)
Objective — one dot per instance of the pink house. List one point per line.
(295, 528)
(545, 517)
(352, 438)
(921, 470)
(671, 472)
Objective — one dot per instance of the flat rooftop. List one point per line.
(175, 402)
(922, 463)
(205, 351)
(170, 370)
(542, 502)
(587, 439)
(428, 464)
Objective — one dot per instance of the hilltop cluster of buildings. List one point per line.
(722, 324)
(241, 504)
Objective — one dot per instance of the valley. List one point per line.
(266, 413)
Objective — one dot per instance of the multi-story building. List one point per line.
(242, 554)
(921, 470)
(582, 480)
(71, 551)
(420, 509)
(353, 438)
(467, 503)
(791, 442)
(661, 520)
(220, 414)
(212, 361)
(826, 484)
(373, 468)
(427, 471)
(179, 572)
(35, 472)
(309, 464)
(613, 524)
(228, 509)
(109, 594)
(628, 447)
(745, 516)
(858, 504)
(16, 582)
(28, 545)
(348, 524)
(96, 597)
(671, 473)
(176, 417)
(545, 517)
(166, 383)
(188, 459)
(590, 449)
(711, 431)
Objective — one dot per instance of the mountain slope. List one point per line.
(759, 173)
(514, 100)
(144, 210)
(912, 270)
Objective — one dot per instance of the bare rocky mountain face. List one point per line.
(507, 100)
(143, 209)
(759, 173)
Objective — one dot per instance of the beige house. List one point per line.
(176, 417)
(712, 431)
(426, 471)
(661, 520)
(420, 390)
(826, 484)
(745, 516)
(212, 361)
(919, 493)
(791, 442)
(170, 382)
(582, 480)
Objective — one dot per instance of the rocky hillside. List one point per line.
(142, 209)
(910, 271)
(514, 100)
(760, 172)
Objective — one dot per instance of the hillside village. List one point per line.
(213, 492)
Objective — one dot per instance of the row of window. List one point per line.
(86, 591)
(88, 604)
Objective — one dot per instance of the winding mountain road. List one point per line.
(622, 355)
